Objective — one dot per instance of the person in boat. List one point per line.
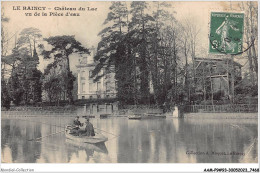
(89, 129)
(76, 125)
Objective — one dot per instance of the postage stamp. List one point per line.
(226, 32)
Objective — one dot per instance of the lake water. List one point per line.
(169, 140)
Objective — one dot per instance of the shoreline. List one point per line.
(228, 115)
(208, 115)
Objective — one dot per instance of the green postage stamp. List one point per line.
(226, 32)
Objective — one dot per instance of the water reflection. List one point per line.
(89, 149)
(145, 141)
(15, 135)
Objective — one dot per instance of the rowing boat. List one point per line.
(98, 138)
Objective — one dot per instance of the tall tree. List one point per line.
(160, 16)
(192, 30)
(24, 61)
(141, 25)
(62, 48)
(5, 96)
(251, 14)
(4, 42)
(114, 49)
(186, 51)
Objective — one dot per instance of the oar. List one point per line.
(106, 132)
(46, 136)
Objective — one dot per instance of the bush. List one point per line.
(218, 95)
(5, 98)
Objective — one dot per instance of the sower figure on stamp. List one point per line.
(223, 30)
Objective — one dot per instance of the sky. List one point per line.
(87, 26)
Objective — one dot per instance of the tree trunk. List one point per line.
(249, 53)
(211, 89)
(253, 34)
(204, 86)
(143, 66)
(69, 91)
(255, 58)
(232, 79)
(251, 68)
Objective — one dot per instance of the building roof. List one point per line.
(217, 60)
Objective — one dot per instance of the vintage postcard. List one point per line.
(129, 82)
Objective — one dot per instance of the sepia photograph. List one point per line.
(129, 82)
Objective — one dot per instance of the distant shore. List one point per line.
(221, 115)
(205, 115)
